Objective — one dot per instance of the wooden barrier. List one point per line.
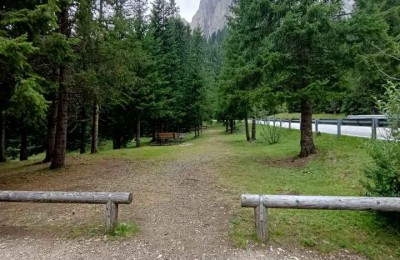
(111, 199)
(261, 203)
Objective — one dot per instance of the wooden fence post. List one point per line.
(290, 123)
(111, 216)
(261, 218)
(280, 123)
(339, 127)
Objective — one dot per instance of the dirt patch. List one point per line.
(291, 163)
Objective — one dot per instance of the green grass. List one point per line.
(259, 168)
(122, 230)
(128, 229)
(316, 116)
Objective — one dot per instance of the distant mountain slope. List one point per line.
(211, 16)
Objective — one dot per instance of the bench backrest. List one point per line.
(166, 135)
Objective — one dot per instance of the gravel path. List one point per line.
(181, 210)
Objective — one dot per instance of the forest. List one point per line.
(75, 72)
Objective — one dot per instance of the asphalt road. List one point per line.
(357, 131)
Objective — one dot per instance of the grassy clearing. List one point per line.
(316, 116)
(258, 168)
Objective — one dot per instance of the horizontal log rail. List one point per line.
(261, 203)
(111, 199)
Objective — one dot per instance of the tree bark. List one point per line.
(2, 136)
(51, 130)
(95, 128)
(137, 137)
(253, 129)
(231, 125)
(60, 143)
(246, 123)
(83, 130)
(306, 142)
(227, 125)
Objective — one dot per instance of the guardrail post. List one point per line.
(280, 123)
(111, 215)
(339, 127)
(290, 123)
(261, 217)
(374, 126)
(274, 122)
(316, 125)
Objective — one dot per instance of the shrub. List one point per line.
(271, 134)
(383, 175)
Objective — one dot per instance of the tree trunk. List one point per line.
(83, 130)
(2, 136)
(51, 130)
(253, 129)
(117, 141)
(23, 151)
(246, 123)
(95, 128)
(138, 132)
(60, 143)
(227, 125)
(231, 125)
(306, 142)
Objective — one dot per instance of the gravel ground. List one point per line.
(181, 210)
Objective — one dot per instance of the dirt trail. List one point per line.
(181, 210)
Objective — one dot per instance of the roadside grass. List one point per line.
(259, 168)
(122, 230)
(315, 116)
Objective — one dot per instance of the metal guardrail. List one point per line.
(374, 123)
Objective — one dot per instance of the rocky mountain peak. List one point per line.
(211, 16)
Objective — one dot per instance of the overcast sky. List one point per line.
(188, 8)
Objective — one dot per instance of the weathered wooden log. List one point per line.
(66, 197)
(111, 199)
(261, 203)
(261, 222)
(323, 202)
(111, 216)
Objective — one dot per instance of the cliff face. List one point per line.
(211, 16)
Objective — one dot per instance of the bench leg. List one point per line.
(111, 216)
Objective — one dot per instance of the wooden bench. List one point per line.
(111, 199)
(164, 138)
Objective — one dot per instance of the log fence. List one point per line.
(111, 199)
(261, 204)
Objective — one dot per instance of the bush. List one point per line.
(271, 134)
(383, 175)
